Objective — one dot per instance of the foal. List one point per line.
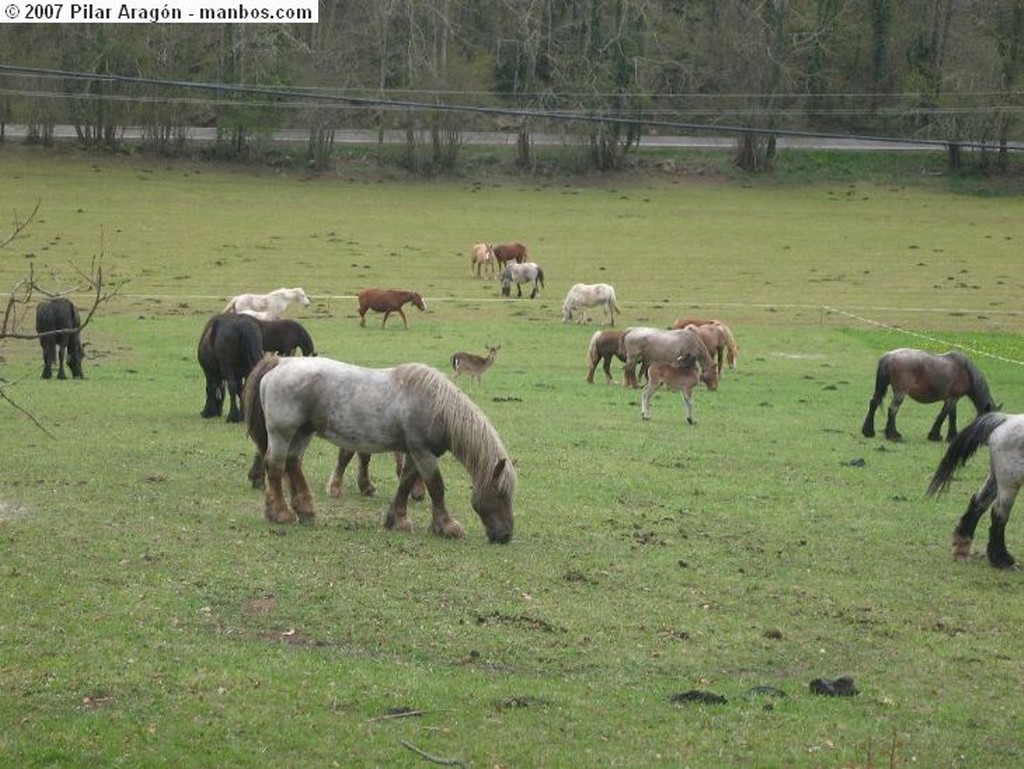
(683, 375)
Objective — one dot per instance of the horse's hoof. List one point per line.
(691, 421)
(307, 518)
(868, 432)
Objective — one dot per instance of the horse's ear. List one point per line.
(499, 468)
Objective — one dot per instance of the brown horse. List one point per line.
(510, 252)
(683, 375)
(604, 345)
(927, 378)
(387, 301)
(716, 336)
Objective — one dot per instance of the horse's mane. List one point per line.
(978, 392)
(473, 439)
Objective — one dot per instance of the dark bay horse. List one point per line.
(285, 336)
(1004, 434)
(604, 345)
(410, 408)
(927, 378)
(387, 301)
(57, 324)
(230, 345)
(510, 252)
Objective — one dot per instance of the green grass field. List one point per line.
(151, 617)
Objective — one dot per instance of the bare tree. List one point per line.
(22, 295)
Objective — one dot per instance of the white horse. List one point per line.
(527, 272)
(1004, 434)
(269, 306)
(482, 257)
(583, 295)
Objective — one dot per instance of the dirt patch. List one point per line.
(12, 510)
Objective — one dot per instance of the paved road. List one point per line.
(351, 136)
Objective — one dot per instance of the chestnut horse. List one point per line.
(927, 378)
(683, 375)
(387, 301)
(510, 252)
(716, 336)
(604, 345)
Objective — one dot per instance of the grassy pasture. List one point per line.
(151, 617)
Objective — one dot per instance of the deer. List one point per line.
(474, 365)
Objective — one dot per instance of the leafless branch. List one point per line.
(434, 759)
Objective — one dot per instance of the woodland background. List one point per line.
(947, 70)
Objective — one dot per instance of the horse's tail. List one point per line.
(540, 276)
(230, 307)
(592, 356)
(252, 403)
(613, 304)
(881, 379)
(963, 448)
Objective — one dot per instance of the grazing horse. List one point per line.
(1004, 434)
(229, 347)
(510, 252)
(268, 306)
(927, 378)
(683, 375)
(527, 272)
(57, 324)
(583, 295)
(482, 257)
(411, 408)
(717, 337)
(604, 345)
(387, 302)
(652, 345)
(285, 336)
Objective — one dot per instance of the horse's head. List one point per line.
(417, 300)
(709, 376)
(492, 500)
(506, 282)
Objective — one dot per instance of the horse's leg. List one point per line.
(629, 375)
(608, 378)
(442, 523)
(49, 353)
(688, 401)
(257, 473)
(334, 484)
(419, 491)
(645, 400)
(963, 534)
(234, 394)
(362, 315)
(721, 358)
(302, 495)
(951, 432)
(397, 516)
(404, 321)
(384, 322)
(890, 423)
(536, 290)
(935, 434)
(61, 350)
(275, 508)
(590, 371)
(998, 555)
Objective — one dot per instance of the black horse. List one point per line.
(58, 325)
(230, 345)
(284, 336)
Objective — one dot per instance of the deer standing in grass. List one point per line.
(474, 365)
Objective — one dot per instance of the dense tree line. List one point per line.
(941, 69)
